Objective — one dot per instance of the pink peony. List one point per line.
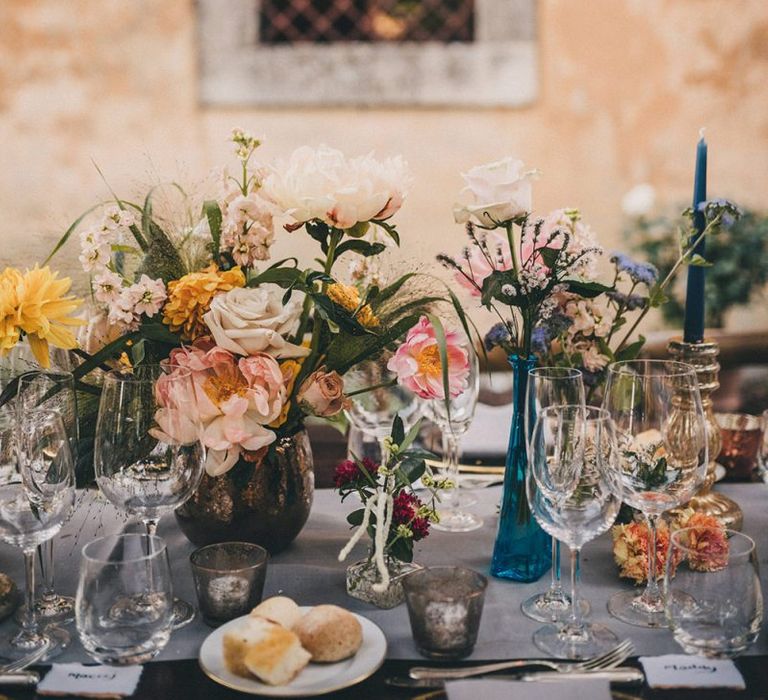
(418, 367)
(477, 266)
(232, 399)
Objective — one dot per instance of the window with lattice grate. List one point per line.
(325, 21)
(367, 52)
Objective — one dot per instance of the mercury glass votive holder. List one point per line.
(445, 604)
(229, 579)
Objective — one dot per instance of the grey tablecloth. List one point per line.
(310, 573)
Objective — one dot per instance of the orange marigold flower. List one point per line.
(707, 542)
(190, 297)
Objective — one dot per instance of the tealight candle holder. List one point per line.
(703, 358)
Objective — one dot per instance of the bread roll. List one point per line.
(264, 649)
(279, 609)
(329, 633)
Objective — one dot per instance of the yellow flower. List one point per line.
(10, 279)
(348, 298)
(290, 370)
(44, 311)
(190, 297)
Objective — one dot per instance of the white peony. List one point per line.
(323, 184)
(495, 193)
(639, 201)
(247, 320)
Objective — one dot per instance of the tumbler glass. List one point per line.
(124, 602)
(712, 589)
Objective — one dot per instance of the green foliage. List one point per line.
(737, 259)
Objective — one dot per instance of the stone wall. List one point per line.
(623, 85)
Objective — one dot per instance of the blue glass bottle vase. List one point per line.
(523, 551)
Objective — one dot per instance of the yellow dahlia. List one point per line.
(10, 279)
(348, 298)
(43, 312)
(190, 297)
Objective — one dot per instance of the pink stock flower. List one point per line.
(418, 367)
(232, 399)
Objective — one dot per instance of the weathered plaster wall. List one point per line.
(624, 86)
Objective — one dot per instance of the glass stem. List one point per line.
(151, 525)
(29, 619)
(576, 622)
(555, 587)
(651, 596)
(45, 555)
(451, 463)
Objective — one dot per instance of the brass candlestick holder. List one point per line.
(703, 357)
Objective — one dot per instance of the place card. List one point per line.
(683, 671)
(528, 690)
(90, 681)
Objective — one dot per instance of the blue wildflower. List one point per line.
(631, 302)
(540, 340)
(638, 271)
(498, 335)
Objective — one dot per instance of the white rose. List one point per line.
(249, 320)
(495, 193)
(639, 201)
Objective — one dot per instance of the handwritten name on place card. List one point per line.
(90, 681)
(682, 671)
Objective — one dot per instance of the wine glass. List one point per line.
(574, 493)
(550, 386)
(55, 391)
(141, 468)
(37, 492)
(453, 424)
(662, 438)
(376, 399)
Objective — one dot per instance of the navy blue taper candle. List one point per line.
(694, 297)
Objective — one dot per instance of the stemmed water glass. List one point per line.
(662, 439)
(140, 467)
(37, 492)
(376, 399)
(550, 386)
(453, 424)
(55, 391)
(574, 495)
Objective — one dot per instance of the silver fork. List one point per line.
(610, 659)
(25, 661)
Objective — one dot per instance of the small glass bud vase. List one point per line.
(363, 575)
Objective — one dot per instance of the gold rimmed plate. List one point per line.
(315, 679)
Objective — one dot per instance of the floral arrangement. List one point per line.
(393, 516)
(267, 344)
(630, 544)
(35, 305)
(740, 251)
(592, 333)
(520, 267)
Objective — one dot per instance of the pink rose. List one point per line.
(418, 366)
(322, 393)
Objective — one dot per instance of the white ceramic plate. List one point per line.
(315, 679)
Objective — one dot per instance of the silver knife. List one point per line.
(621, 674)
(27, 679)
